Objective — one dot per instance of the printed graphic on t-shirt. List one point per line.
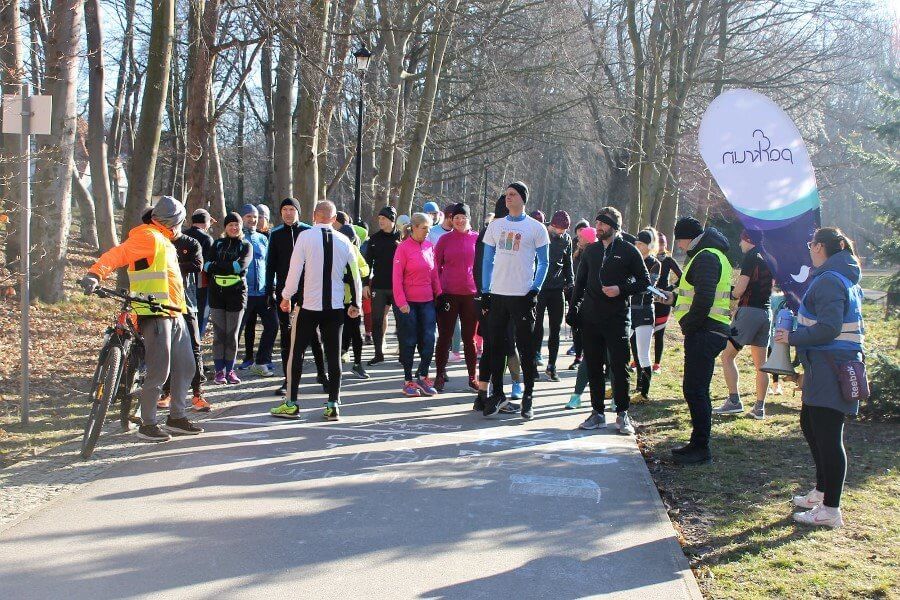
(510, 241)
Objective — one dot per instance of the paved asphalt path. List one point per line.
(403, 498)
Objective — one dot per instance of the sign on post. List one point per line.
(26, 116)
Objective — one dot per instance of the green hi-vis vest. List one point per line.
(153, 278)
(684, 293)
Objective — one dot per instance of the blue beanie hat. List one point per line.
(249, 209)
(431, 207)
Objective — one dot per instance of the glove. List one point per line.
(271, 298)
(90, 283)
(442, 303)
(532, 296)
(485, 303)
(572, 315)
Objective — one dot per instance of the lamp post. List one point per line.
(362, 56)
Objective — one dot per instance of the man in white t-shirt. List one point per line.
(516, 258)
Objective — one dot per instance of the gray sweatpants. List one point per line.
(226, 331)
(167, 352)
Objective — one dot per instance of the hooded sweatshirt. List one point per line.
(827, 298)
(415, 278)
(704, 275)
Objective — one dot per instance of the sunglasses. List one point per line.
(811, 244)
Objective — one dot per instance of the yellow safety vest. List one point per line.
(153, 279)
(684, 293)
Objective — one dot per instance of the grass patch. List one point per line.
(735, 514)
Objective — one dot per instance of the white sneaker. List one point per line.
(810, 499)
(821, 516)
(262, 370)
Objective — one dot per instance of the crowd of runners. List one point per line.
(483, 297)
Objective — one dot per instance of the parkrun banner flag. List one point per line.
(759, 160)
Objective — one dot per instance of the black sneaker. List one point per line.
(494, 404)
(682, 449)
(551, 373)
(182, 427)
(510, 408)
(575, 364)
(695, 456)
(378, 358)
(360, 371)
(367, 341)
(480, 400)
(152, 433)
(527, 411)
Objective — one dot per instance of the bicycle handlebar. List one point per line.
(150, 302)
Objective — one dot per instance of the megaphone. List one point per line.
(779, 362)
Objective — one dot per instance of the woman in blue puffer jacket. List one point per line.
(830, 331)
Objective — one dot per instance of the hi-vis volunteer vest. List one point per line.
(153, 278)
(852, 329)
(684, 293)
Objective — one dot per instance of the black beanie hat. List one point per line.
(232, 217)
(687, 228)
(645, 236)
(388, 212)
(289, 202)
(500, 210)
(520, 187)
(460, 209)
(581, 223)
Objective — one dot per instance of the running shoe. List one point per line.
(510, 408)
(378, 358)
(262, 370)
(810, 499)
(245, 365)
(777, 390)
(633, 366)
(821, 516)
(152, 433)
(199, 404)
(286, 410)
(623, 423)
(233, 378)
(220, 377)
(539, 360)
(331, 413)
(345, 357)
(758, 412)
(729, 408)
(575, 364)
(367, 341)
(360, 371)
(574, 402)
(656, 368)
(426, 385)
(480, 401)
(439, 382)
(551, 373)
(527, 409)
(454, 357)
(595, 420)
(182, 427)
(517, 391)
(411, 390)
(473, 384)
(494, 404)
(164, 402)
(570, 351)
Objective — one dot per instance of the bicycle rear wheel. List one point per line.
(103, 394)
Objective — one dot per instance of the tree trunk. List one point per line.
(199, 89)
(56, 163)
(123, 92)
(314, 34)
(215, 191)
(96, 136)
(146, 148)
(283, 116)
(265, 76)
(86, 210)
(439, 41)
(12, 76)
(395, 52)
(239, 141)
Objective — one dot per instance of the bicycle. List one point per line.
(119, 371)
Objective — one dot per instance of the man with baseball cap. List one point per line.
(702, 309)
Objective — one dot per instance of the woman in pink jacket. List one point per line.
(416, 286)
(454, 258)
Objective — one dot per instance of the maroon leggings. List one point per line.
(462, 306)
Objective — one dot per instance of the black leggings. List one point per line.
(352, 335)
(823, 429)
(553, 302)
(659, 340)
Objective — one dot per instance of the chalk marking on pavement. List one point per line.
(581, 460)
(538, 485)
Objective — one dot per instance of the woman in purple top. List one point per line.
(454, 257)
(415, 286)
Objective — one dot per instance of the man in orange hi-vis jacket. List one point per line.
(152, 265)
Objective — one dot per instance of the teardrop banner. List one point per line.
(757, 157)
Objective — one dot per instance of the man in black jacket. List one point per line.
(379, 285)
(702, 311)
(608, 274)
(201, 221)
(552, 297)
(278, 262)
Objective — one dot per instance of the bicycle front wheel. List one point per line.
(102, 394)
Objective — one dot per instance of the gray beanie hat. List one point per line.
(169, 212)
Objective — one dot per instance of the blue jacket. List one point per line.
(829, 299)
(256, 271)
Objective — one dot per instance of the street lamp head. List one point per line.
(362, 56)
